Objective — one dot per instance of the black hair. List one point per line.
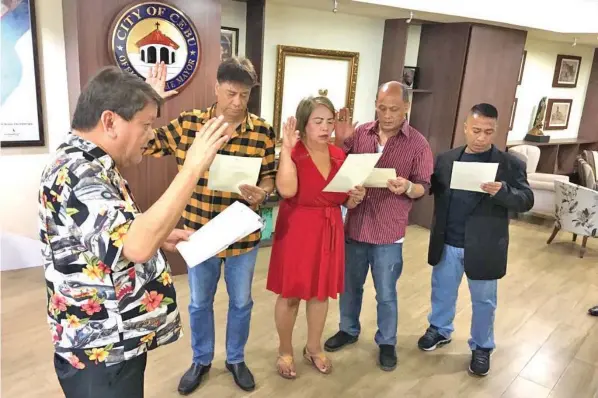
(112, 89)
(237, 70)
(485, 110)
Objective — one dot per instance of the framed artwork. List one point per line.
(229, 42)
(21, 122)
(513, 111)
(557, 114)
(331, 73)
(522, 67)
(410, 76)
(566, 71)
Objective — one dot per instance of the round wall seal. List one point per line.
(153, 32)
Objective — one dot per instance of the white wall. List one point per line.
(233, 16)
(295, 26)
(21, 167)
(412, 51)
(577, 16)
(537, 82)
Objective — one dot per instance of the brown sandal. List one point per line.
(311, 358)
(286, 362)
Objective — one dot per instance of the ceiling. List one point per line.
(368, 9)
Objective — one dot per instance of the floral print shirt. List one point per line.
(102, 308)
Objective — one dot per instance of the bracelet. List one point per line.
(408, 191)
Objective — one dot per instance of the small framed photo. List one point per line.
(410, 75)
(566, 71)
(229, 42)
(521, 68)
(557, 114)
(513, 111)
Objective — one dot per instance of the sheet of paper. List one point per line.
(228, 172)
(233, 224)
(469, 176)
(354, 171)
(379, 177)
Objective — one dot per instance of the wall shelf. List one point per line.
(558, 155)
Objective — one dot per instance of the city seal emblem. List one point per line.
(153, 32)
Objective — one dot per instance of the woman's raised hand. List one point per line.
(290, 135)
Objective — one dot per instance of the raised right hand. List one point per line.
(344, 128)
(157, 79)
(290, 135)
(207, 142)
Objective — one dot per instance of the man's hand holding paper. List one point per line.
(475, 176)
(252, 194)
(233, 224)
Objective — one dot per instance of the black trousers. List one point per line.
(124, 380)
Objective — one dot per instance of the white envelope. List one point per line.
(379, 178)
(228, 172)
(468, 176)
(354, 171)
(233, 224)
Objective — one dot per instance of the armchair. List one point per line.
(542, 184)
(576, 211)
(591, 157)
(587, 167)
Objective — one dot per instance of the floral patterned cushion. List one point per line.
(576, 209)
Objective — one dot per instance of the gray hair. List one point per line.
(112, 89)
(404, 89)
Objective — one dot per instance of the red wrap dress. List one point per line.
(308, 252)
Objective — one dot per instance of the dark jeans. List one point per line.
(124, 380)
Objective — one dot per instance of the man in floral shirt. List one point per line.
(110, 292)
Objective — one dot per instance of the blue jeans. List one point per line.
(203, 281)
(446, 278)
(387, 264)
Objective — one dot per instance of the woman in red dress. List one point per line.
(308, 254)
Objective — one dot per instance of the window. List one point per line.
(165, 55)
(151, 55)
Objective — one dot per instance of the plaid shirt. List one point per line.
(254, 138)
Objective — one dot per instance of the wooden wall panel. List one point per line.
(491, 72)
(87, 24)
(442, 53)
(441, 59)
(588, 127)
(254, 48)
(394, 45)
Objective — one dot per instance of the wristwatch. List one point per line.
(408, 191)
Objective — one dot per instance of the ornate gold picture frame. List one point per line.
(301, 72)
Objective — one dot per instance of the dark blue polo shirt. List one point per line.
(462, 204)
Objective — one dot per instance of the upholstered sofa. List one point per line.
(542, 184)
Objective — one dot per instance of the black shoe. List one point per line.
(192, 378)
(338, 341)
(593, 311)
(388, 357)
(432, 340)
(480, 361)
(242, 375)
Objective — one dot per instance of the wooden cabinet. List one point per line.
(461, 65)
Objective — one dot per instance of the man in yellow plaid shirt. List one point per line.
(249, 136)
